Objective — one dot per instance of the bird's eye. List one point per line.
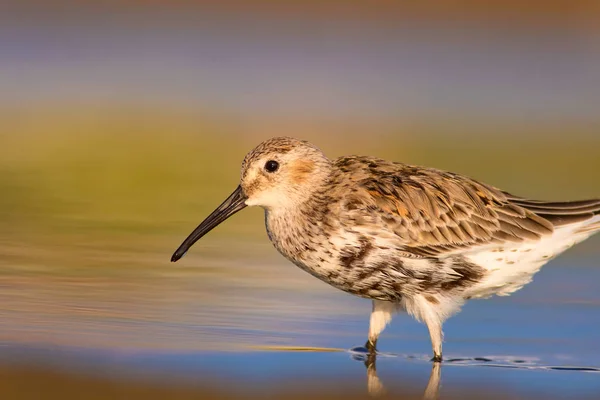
(271, 166)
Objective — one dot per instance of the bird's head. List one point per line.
(280, 173)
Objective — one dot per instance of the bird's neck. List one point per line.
(292, 229)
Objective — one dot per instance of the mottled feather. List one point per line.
(434, 212)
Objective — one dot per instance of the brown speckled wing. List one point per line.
(432, 211)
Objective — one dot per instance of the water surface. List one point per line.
(260, 327)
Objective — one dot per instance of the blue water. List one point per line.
(265, 373)
(540, 342)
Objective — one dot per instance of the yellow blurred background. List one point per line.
(127, 121)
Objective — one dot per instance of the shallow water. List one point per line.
(268, 329)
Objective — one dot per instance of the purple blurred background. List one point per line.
(375, 62)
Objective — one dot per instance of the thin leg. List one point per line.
(380, 316)
(435, 331)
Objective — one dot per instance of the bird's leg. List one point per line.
(380, 317)
(435, 331)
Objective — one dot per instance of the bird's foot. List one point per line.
(369, 353)
(437, 358)
(369, 348)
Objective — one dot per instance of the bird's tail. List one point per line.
(592, 227)
(582, 215)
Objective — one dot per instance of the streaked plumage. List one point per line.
(407, 237)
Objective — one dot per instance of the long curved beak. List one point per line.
(234, 203)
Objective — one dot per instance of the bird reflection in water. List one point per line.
(376, 388)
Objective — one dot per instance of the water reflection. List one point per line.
(374, 385)
(287, 372)
(432, 390)
(208, 316)
(376, 388)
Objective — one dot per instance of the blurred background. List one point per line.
(124, 123)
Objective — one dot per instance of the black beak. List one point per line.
(234, 203)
